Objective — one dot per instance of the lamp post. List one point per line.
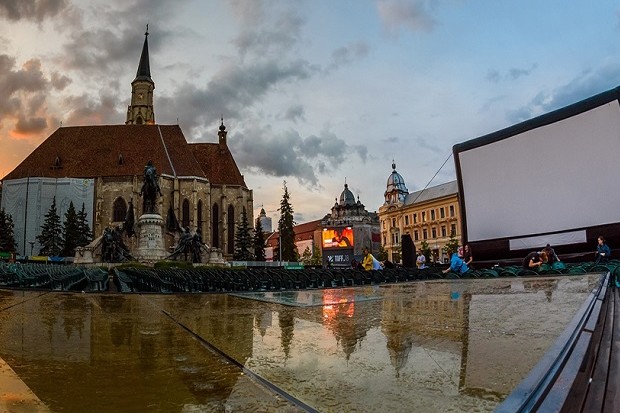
(31, 246)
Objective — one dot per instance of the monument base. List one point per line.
(150, 238)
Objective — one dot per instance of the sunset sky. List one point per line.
(312, 91)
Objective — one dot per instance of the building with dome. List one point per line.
(430, 215)
(347, 230)
(101, 167)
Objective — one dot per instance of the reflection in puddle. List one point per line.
(427, 346)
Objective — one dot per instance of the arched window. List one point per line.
(119, 210)
(199, 213)
(185, 214)
(215, 226)
(231, 230)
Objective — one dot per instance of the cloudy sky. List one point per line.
(312, 92)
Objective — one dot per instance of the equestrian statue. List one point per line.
(150, 189)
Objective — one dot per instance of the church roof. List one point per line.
(123, 150)
(217, 163)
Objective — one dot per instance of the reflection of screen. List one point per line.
(338, 237)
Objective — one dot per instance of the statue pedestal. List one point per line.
(151, 238)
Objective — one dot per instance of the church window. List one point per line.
(121, 160)
(57, 163)
(231, 230)
(199, 223)
(119, 210)
(215, 226)
(185, 215)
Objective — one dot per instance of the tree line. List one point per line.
(56, 238)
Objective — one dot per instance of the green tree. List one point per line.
(70, 232)
(451, 246)
(286, 231)
(86, 234)
(306, 257)
(243, 240)
(50, 238)
(317, 258)
(381, 254)
(259, 241)
(426, 250)
(7, 235)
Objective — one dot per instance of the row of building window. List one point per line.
(423, 216)
(416, 234)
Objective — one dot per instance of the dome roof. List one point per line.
(395, 188)
(347, 197)
(396, 182)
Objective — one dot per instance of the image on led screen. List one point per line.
(338, 237)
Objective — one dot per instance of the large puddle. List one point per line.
(452, 346)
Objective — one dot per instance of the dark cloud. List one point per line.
(88, 110)
(29, 126)
(293, 113)
(413, 15)
(59, 82)
(23, 91)
(512, 74)
(288, 154)
(587, 84)
(231, 92)
(32, 10)
(348, 54)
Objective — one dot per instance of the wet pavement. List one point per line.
(450, 346)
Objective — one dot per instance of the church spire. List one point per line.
(144, 68)
(140, 111)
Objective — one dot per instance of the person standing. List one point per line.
(603, 252)
(467, 255)
(420, 261)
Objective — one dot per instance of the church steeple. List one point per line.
(140, 111)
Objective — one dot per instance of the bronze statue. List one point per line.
(150, 189)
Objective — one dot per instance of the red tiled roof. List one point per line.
(91, 151)
(218, 164)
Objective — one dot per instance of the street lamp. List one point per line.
(31, 246)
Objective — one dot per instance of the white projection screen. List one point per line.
(551, 175)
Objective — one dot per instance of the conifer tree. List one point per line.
(86, 234)
(70, 232)
(306, 257)
(286, 224)
(259, 241)
(50, 238)
(7, 236)
(243, 240)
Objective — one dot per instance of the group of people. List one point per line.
(534, 260)
(460, 261)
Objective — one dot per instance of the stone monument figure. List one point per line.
(150, 189)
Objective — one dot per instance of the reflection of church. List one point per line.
(102, 168)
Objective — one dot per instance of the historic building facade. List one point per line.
(202, 187)
(430, 215)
